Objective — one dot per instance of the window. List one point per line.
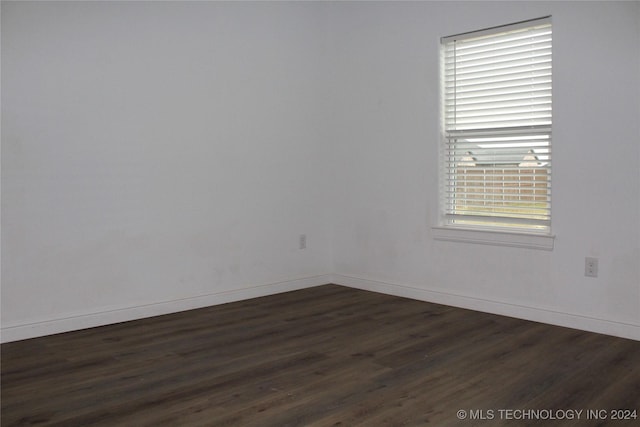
(496, 170)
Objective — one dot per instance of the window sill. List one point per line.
(496, 238)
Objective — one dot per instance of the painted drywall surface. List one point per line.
(155, 153)
(158, 151)
(387, 130)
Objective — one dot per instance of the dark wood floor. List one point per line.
(324, 356)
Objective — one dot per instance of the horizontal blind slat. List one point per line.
(542, 42)
(513, 103)
(531, 75)
(538, 55)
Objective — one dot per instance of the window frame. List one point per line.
(486, 229)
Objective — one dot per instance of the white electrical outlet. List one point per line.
(591, 267)
(302, 244)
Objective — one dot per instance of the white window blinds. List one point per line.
(497, 127)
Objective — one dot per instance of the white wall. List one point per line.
(161, 156)
(156, 157)
(386, 153)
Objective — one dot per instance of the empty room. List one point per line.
(320, 213)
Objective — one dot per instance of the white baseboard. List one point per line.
(76, 321)
(537, 314)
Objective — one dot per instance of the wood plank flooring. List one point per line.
(324, 356)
